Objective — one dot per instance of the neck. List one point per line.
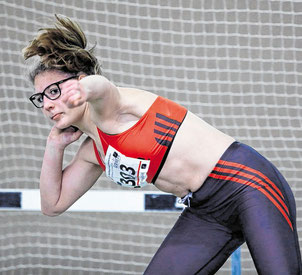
(85, 124)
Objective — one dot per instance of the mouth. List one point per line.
(56, 116)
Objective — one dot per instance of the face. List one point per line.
(56, 110)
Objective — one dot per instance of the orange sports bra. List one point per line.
(136, 156)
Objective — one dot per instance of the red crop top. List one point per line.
(136, 156)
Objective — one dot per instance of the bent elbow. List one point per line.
(50, 212)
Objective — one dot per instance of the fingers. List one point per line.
(73, 94)
(73, 136)
(72, 133)
(77, 134)
(63, 137)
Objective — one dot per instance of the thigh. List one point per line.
(271, 237)
(265, 209)
(194, 246)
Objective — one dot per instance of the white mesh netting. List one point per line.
(235, 63)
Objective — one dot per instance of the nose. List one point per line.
(48, 104)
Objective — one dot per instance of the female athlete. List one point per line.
(234, 195)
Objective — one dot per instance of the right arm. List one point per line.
(98, 91)
(59, 188)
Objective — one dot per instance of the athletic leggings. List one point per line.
(244, 199)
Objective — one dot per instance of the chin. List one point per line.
(61, 125)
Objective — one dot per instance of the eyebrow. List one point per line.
(64, 79)
(48, 86)
(36, 92)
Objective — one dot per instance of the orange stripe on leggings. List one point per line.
(259, 188)
(238, 165)
(254, 178)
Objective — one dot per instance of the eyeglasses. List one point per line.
(52, 92)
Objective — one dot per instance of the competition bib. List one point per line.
(126, 171)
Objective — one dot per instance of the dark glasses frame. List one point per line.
(33, 97)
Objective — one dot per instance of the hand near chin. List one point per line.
(63, 137)
(73, 94)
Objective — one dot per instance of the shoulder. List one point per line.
(135, 101)
(132, 105)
